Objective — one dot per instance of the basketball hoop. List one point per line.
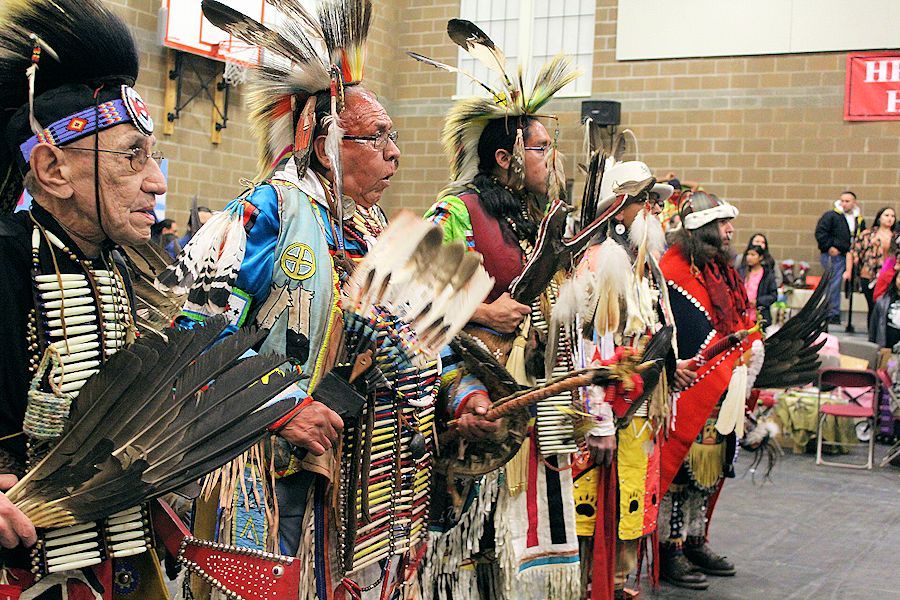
(237, 57)
(235, 73)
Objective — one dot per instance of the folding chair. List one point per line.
(863, 349)
(867, 385)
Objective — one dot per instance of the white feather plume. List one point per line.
(413, 275)
(612, 273)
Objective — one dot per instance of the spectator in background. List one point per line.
(869, 252)
(835, 233)
(203, 213)
(759, 239)
(759, 280)
(884, 324)
(165, 233)
(670, 218)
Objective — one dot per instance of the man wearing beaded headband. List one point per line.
(709, 304)
(79, 137)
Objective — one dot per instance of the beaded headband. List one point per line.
(130, 109)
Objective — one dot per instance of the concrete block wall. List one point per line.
(765, 132)
(198, 167)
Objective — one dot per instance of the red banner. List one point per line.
(873, 87)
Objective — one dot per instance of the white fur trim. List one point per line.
(700, 218)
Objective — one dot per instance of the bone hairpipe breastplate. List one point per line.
(85, 318)
(392, 502)
(555, 429)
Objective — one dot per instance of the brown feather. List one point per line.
(155, 310)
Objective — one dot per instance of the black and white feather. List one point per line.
(207, 267)
(792, 353)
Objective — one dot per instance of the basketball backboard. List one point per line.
(183, 27)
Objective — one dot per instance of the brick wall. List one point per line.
(764, 132)
(196, 166)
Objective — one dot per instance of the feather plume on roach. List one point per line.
(468, 117)
(302, 50)
(157, 416)
(476, 42)
(451, 69)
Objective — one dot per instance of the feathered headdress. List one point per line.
(66, 71)
(308, 57)
(468, 117)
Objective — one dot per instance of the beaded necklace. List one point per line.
(79, 319)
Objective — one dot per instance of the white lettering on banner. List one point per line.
(893, 101)
(877, 71)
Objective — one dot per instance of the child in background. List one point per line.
(759, 280)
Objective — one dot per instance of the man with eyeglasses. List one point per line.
(80, 139)
(369, 159)
(511, 533)
(329, 155)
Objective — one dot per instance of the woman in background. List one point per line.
(869, 251)
(759, 239)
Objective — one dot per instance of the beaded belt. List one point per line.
(240, 573)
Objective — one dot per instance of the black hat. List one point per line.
(82, 61)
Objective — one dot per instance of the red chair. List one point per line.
(866, 386)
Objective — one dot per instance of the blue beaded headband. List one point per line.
(130, 109)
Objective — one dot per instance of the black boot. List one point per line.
(699, 553)
(674, 568)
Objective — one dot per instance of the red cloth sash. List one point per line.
(695, 404)
(502, 260)
(603, 568)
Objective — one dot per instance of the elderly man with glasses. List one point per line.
(80, 139)
(301, 241)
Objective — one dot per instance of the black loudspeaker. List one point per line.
(603, 112)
